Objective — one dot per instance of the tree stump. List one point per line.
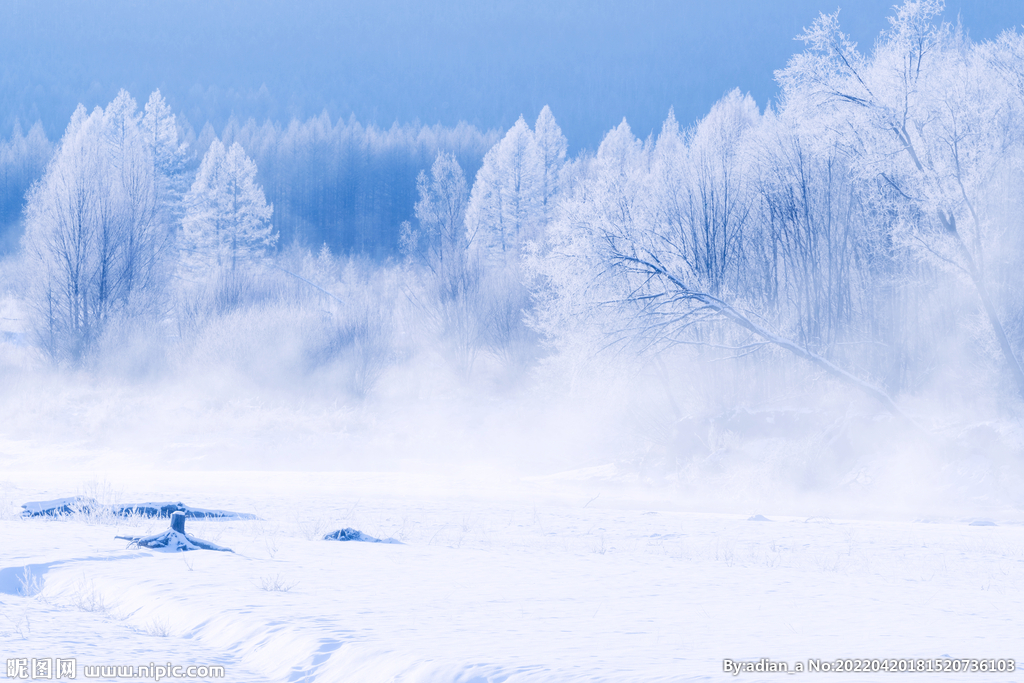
(174, 539)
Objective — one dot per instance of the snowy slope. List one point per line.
(511, 585)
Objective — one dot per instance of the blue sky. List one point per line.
(593, 61)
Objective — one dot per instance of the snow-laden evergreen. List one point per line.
(227, 219)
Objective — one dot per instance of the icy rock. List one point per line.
(356, 535)
(758, 518)
(982, 522)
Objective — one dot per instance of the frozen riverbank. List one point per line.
(525, 587)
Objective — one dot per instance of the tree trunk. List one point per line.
(739, 319)
(178, 522)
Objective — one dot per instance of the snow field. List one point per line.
(505, 589)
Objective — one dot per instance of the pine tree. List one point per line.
(551, 148)
(506, 204)
(160, 131)
(227, 218)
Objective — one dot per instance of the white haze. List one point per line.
(497, 331)
(671, 429)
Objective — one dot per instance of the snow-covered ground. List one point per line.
(515, 580)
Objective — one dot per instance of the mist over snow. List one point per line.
(618, 321)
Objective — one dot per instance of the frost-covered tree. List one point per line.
(22, 161)
(658, 245)
(169, 154)
(93, 236)
(577, 294)
(441, 212)
(506, 205)
(932, 120)
(719, 197)
(513, 200)
(863, 225)
(451, 296)
(227, 218)
(551, 148)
